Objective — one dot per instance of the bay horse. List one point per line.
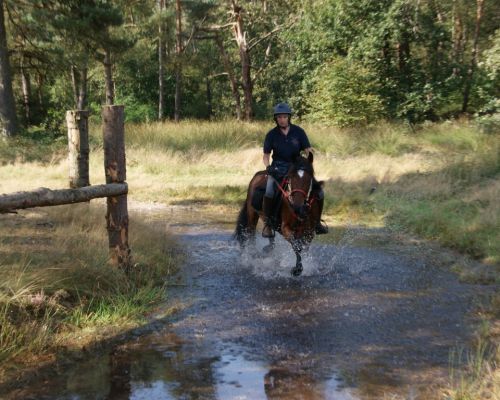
(297, 210)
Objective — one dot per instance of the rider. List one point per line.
(285, 141)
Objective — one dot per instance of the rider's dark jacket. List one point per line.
(285, 148)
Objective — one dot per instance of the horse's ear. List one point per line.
(310, 157)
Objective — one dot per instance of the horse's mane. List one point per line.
(301, 163)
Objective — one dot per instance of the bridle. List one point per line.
(287, 191)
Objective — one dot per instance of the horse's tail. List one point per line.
(242, 224)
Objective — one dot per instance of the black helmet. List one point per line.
(282, 108)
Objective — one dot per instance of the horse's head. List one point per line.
(300, 179)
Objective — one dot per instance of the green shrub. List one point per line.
(489, 124)
(345, 94)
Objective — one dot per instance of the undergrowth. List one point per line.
(56, 277)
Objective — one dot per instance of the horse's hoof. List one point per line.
(297, 270)
(268, 249)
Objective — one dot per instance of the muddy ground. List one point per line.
(375, 316)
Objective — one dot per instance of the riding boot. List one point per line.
(321, 228)
(267, 205)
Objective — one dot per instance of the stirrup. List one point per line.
(321, 228)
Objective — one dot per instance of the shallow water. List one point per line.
(358, 324)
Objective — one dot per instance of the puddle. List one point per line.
(156, 368)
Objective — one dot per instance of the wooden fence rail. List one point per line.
(115, 189)
(43, 197)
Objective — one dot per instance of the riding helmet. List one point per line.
(282, 108)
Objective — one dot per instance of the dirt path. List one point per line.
(360, 323)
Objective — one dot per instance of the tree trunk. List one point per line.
(46, 197)
(74, 84)
(115, 169)
(26, 88)
(230, 74)
(473, 63)
(246, 80)
(78, 146)
(209, 98)
(40, 80)
(403, 47)
(457, 33)
(8, 118)
(82, 91)
(108, 73)
(161, 73)
(79, 83)
(436, 52)
(386, 51)
(178, 67)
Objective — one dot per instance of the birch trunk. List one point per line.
(74, 84)
(246, 80)
(26, 88)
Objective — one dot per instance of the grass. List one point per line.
(56, 278)
(194, 136)
(438, 181)
(480, 379)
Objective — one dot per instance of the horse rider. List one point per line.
(285, 141)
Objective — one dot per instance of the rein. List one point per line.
(288, 195)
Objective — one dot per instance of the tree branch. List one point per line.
(265, 63)
(216, 28)
(276, 29)
(217, 75)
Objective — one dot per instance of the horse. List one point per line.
(296, 213)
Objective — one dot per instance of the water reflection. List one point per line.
(154, 369)
(182, 374)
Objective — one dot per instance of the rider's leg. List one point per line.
(320, 227)
(267, 205)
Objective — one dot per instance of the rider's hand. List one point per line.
(269, 169)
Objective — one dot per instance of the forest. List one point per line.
(337, 62)
(401, 102)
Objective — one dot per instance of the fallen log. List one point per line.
(46, 197)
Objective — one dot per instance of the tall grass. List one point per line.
(195, 136)
(56, 278)
(436, 180)
(456, 204)
(480, 378)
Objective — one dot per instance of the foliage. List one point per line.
(347, 62)
(344, 94)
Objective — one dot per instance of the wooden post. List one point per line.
(78, 144)
(114, 166)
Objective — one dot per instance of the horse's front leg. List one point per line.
(297, 248)
(289, 235)
(270, 247)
